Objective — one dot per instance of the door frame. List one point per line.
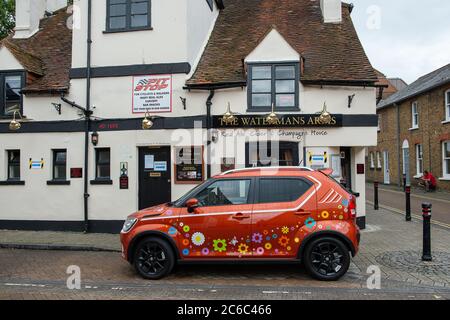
(138, 171)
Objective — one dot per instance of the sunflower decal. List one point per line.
(198, 238)
(283, 241)
(243, 248)
(285, 230)
(220, 245)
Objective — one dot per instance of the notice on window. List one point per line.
(149, 161)
(152, 94)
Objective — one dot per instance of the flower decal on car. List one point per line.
(285, 230)
(243, 248)
(198, 238)
(283, 241)
(310, 223)
(257, 238)
(220, 245)
(186, 228)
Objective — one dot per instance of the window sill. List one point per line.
(446, 121)
(101, 182)
(12, 183)
(412, 129)
(269, 109)
(128, 30)
(444, 179)
(58, 183)
(418, 176)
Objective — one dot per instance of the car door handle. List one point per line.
(240, 216)
(302, 212)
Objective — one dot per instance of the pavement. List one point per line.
(389, 244)
(393, 199)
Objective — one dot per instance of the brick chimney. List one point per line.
(331, 11)
(30, 12)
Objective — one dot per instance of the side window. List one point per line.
(14, 165)
(225, 192)
(125, 15)
(103, 163)
(281, 190)
(59, 164)
(10, 95)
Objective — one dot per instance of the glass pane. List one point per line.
(261, 100)
(14, 156)
(14, 172)
(139, 20)
(103, 156)
(10, 107)
(117, 1)
(139, 8)
(225, 193)
(281, 190)
(117, 22)
(285, 86)
(118, 10)
(103, 171)
(13, 82)
(447, 150)
(285, 100)
(60, 156)
(285, 72)
(60, 172)
(447, 167)
(262, 86)
(262, 72)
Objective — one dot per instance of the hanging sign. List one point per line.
(152, 94)
(284, 121)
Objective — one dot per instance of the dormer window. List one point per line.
(11, 85)
(128, 15)
(276, 84)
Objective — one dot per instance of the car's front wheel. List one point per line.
(326, 259)
(153, 258)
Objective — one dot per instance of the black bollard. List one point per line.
(408, 202)
(426, 213)
(375, 197)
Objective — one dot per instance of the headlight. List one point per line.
(128, 225)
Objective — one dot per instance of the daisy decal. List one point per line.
(220, 245)
(198, 238)
(257, 237)
(285, 230)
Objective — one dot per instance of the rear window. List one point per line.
(282, 190)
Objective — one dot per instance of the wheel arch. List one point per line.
(326, 233)
(151, 233)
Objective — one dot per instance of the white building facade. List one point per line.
(107, 65)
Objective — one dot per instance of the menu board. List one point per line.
(189, 166)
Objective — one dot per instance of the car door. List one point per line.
(282, 206)
(220, 227)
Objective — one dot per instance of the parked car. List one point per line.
(287, 214)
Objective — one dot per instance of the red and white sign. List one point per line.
(152, 94)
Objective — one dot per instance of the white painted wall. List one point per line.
(28, 15)
(331, 11)
(8, 61)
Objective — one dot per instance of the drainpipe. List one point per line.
(87, 118)
(208, 132)
(399, 176)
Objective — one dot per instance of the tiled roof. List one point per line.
(430, 81)
(331, 52)
(47, 54)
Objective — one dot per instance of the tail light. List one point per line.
(352, 207)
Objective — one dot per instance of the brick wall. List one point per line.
(430, 134)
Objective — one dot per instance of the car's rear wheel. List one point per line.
(153, 258)
(326, 258)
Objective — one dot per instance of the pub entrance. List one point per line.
(271, 154)
(154, 176)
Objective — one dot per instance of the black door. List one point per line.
(346, 167)
(154, 176)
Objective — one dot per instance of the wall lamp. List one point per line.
(15, 125)
(94, 138)
(147, 123)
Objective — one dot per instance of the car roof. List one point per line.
(266, 171)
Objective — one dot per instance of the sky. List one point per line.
(404, 38)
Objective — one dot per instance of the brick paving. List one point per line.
(389, 242)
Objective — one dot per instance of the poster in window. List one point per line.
(189, 165)
(152, 94)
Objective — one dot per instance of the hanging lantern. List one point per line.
(147, 123)
(15, 125)
(272, 118)
(325, 116)
(228, 117)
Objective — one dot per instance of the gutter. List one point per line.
(208, 132)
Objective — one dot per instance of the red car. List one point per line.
(287, 214)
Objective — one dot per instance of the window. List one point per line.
(14, 165)
(273, 84)
(379, 160)
(447, 105)
(372, 161)
(446, 159)
(103, 164)
(379, 123)
(127, 15)
(281, 190)
(189, 165)
(419, 159)
(10, 95)
(59, 164)
(225, 192)
(210, 4)
(415, 115)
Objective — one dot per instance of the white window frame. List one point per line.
(379, 165)
(372, 161)
(445, 170)
(419, 160)
(447, 105)
(379, 123)
(415, 124)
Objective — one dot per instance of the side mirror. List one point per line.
(192, 204)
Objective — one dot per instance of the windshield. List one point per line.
(189, 194)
